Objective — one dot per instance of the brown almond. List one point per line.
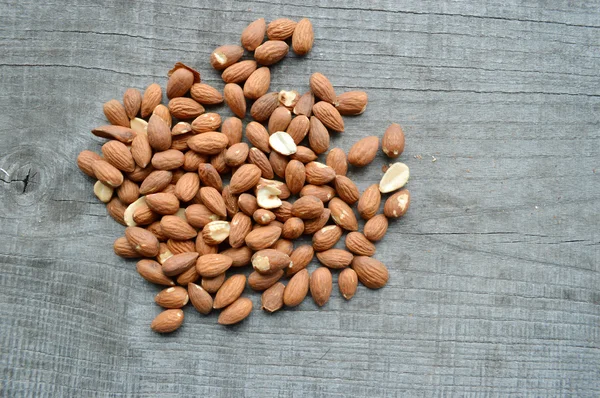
(292, 228)
(298, 128)
(240, 256)
(296, 289)
(144, 216)
(260, 282)
(163, 203)
(281, 29)
(254, 34)
(208, 143)
(115, 113)
(358, 244)
(180, 246)
(85, 159)
(212, 285)
(307, 207)
(107, 173)
(304, 154)
(278, 163)
(303, 37)
(157, 231)
(163, 112)
(236, 312)
(348, 282)
(200, 299)
(279, 120)
(335, 258)
(151, 98)
(326, 237)
(187, 277)
(199, 215)
(230, 201)
(363, 151)
(218, 162)
(132, 102)
(140, 174)
(234, 98)
(346, 189)
(258, 136)
(295, 176)
(204, 248)
(239, 72)
(172, 297)
(240, 226)
(117, 154)
(272, 298)
(247, 204)
(263, 216)
(185, 108)
(351, 103)
(271, 52)
(232, 129)
(397, 205)
(181, 128)
(263, 237)
(283, 245)
(323, 192)
(152, 271)
(168, 160)
(116, 209)
(371, 272)
(124, 249)
(322, 87)
(141, 151)
(176, 228)
(368, 204)
(257, 83)
(225, 56)
(211, 265)
(167, 321)
(319, 174)
(245, 178)
(260, 160)
(206, 94)
(208, 122)
(268, 261)
(156, 181)
(312, 226)
(336, 159)
(321, 285)
(119, 133)
(393, 141)
(142, 241)
(213, 200)
(318, 136)
(305, 104)
(209, 176)
(328, 115)
(300, 258)
(264, 106)
(187, 187)
(230, 291)
(179, 142)
(179, 83)
(343, 215)
(376, 227)
(159, 133)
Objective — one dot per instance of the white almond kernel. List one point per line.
(128, 215)
(394, 178)
(218, 230)
(138, 125)
(267, 197)
(103, 191)
(282, 143)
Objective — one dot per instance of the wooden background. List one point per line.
(495, 282)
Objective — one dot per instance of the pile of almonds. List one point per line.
(162, 172)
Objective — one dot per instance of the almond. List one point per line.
(213, 200)
(319, 174)
(295, 176)
(376, 227)
(305, 104)
(234, 98)
(268, 261)
(140, 126)
(271, 52)
(167, 321)
(199, 215)
(107, 173)
(282, 143)
(209, 176)
(216, 232)
(185, 108)
(163, 112)
(208, 122)
(144, 216)
(225, 56)
(179, 142)
(163, 203)
(181, 246)
(187, 187)
(230, 291)
(397, 204)
(298, 128)
(300, 258)
(159, 133)
(307, 207)
(288, 98)
(247, 204)
(236, 312)
(172, 297)
(369, 202)
(152, 271)
(240, 226)
(257, 83)
(141, 151)
(279, 120)
(179, 83)
(318, 136)
(211, 265)
(208, 143)
(240, 256)
(280, 29)
(117, 154)
(142, 241)
(85, 159)
(239, 72)
(371, 272)
(326, 237)
(263, 216)
(322, 88)
(232, 128)
(245, 178)
(230, 201)
(116, 210)
(260, 160)
(119, 133)
(260, 282)
(336, 159)
(395, 177)
(176, 228)
(352, 103)
(303, 37)
(328, 115)
(115, 113)
(156, 181)
(204, 248)
(278, 163)
(124, 249)
(292, 228)
(267, 197)
(297, 289)
(264, 106)
(200, 299)
(335, 258)
(272, 298)
(364, 151)
(323, 192)
(152, 97)
(312, 226)
(187, 277)
(283, 212)
(262, 237)
(321, 285)
(140, 174)
(212, 285)
(254, 34)
(343, 215)
(393, 141)
(205, 94)
(132, 102)
(348, 282)
(168, 160)
(358, 244)
(258, 136)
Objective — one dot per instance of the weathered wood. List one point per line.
(494, 286)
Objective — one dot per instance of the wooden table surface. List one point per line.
(494, 273)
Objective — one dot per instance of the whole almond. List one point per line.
(156, 181)
(151, 98)
(326, 237)
(318, 136)
(168, 160)
(300, 258)
(245, 178)
(206, 94)
(179, 142)
(393, 141)
(271, 52)
(352, 103)
(234, 97)
(232, 128)
(141, 151)
(212, 285)
(264, 106)
(348, 282)
(260, 160)
(164, 113)
(199, 215)
(176, 228)
(303, 37)
(295, 176)
(268, 261)
(132, 101)
(307, 207)
(371, 272)
(181, 246)
(254, 34)
(236, 312)
(312, 226)
(376, 227)
(115, 113)
(319, 174)
(187, 277)
(185, 108)
(258, 136)
(397, 204)
(321, 285)
(124, 249)
(120, 133)
(240, 226)
(358, 244)
(240, 257)
(263, 237)
(140, 174)
(159, 133)
(208, 143)
(142, 241)
(213, 200)
(292, 228)
(328, 115)
(208, 122)
(335, 258)
(167, 321)
(172, 297)
(305, 104)
(152, 271)
(163, 203)
(257, 83)
(237, 154)
(144, 216)
(279, 120)
(263, 216)
(179, 83)
(247, 204)
(225, 56)
(85, 159)
(116, 209)
(336, 159)
(216, 232)
(187, 187)
(343, 215)
(117, 154)
(230, 291)
(323, 192)
(280, 29)
(200, 299)
(209, 176)
(260, 282)
(279, 163)
(322, 88)
(363, 151)
(296, 289)
(298, 128)
(211, 265)
(368, 204)
(239, 72)
(304, 154)
(107, 173)
(272, 298)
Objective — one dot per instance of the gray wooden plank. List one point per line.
(494, 271)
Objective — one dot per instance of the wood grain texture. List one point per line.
(494, 273)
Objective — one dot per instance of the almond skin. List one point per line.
(393, 141)
(268, 261)
(234, 97)
(296, 289)
(318, 136)
(371, 272)
(328, 115)
(280, 29)
(322, 87)
(200, 299)
(240, 256)
(348, 282)
(140, 174)
(260, 160)
(142, 241)
(245, 178)
(230, 201)
(206, 94)
(230, 291)
(271, 52)
(295, 176)
(352, 103)
(304, 154)
(209, 176)
(124, 249)
(397, 205)
(115, 113)
(263, 237)
(176, 228)
(259, 282)
(335, 258)
(236, 312)
(211, 265)
(364, 151)
(326, 237)
(298, 128)
(170, 159)
(163, 112)
(303, 37)
(116, 210)
(179, 263)
(321, 285)
(254, 34)
(247, 204)
(151, 98)
(225, 56)
(280, 119)
(185, 108)
(272, 298)
(239, 72)
(187, 277)
(376, 228)
(257, 83)
(141, 151)
(323, 192)
(263, 216)
(152, 271)
(305, 104)
(346, 189)
(172, 297)
(117, 154)
(107, 173)
(343, 215)
(213, 284)
(167, 321)
(237, 154)
(205, 123)
(264, 106)
(283, 212)
(358, 244)
(132, 101)
(369, 202)
(319, 174)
